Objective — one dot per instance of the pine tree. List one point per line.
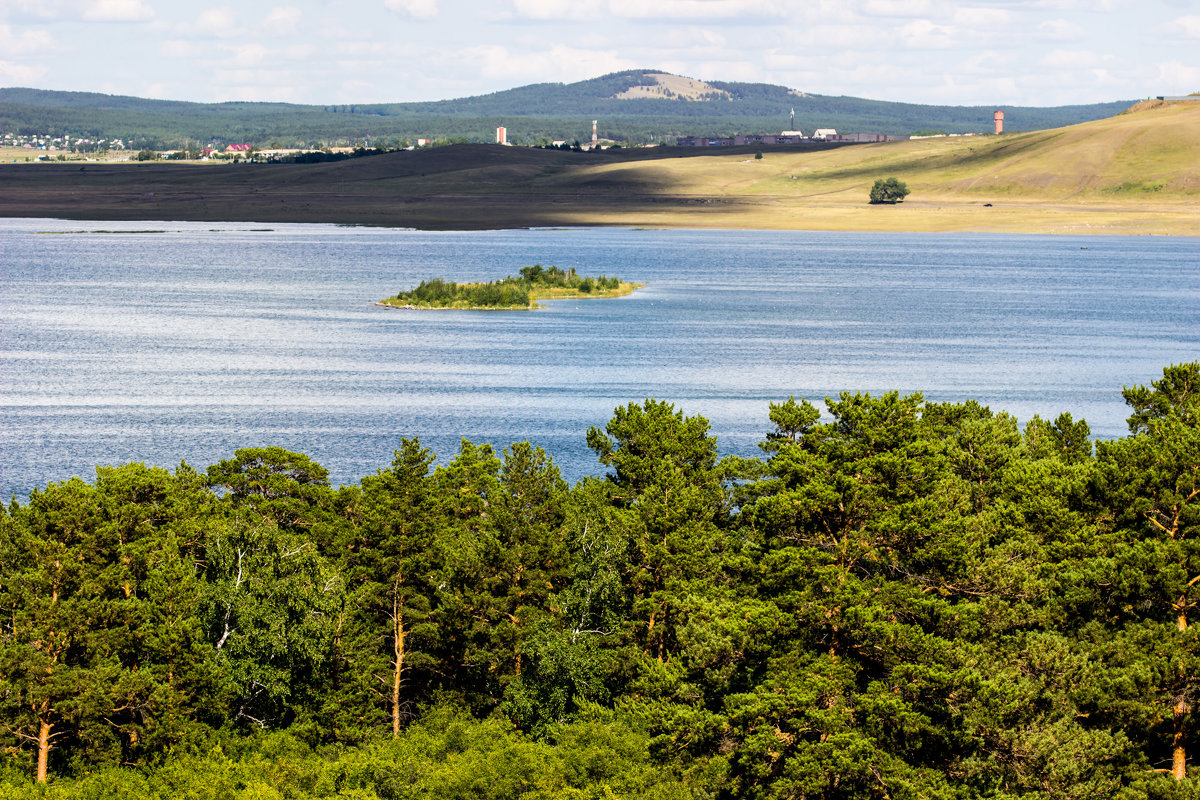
(393, 569)
(1151, 483)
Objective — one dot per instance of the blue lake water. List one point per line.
(188, 343)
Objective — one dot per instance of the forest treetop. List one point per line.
(898, 599)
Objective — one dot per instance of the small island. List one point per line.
(535, 283)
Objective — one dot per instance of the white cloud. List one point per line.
(686, 38)
(959, 51)
(898, 8)
(15, 44)
(1059, 30)
(249, 55)
(298, 52)
(823, 38)
(982, 17)
(40, 10)
(551, 9)
(1184, 27)
(419, 9)
(822, 12)
(1104, 77)
(1070, 59)
(117, 11)
(926, 35)
(179, 48)
(650, 9)
(235, 59)
(695, 9)
(357, 49)
(731, 69)
(219, 21)
(1104, 6)
(1001, 89)
(20, 74)
(986, 63)
(1175, 77)
(560, 63)
(254, 77)
(281, 20)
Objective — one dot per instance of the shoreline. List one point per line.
(1058, 220)
(1053, 218)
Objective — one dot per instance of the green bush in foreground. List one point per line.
(446, 754)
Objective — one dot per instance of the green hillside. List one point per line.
(544, 111)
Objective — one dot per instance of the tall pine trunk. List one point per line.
(43, 753)
(398, 635)
(1178, 740)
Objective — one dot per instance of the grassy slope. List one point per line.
(1134, 173)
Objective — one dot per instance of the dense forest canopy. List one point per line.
(899, 599)
(538, 112)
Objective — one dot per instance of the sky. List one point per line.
(986, 52)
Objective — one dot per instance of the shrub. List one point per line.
(888, 190)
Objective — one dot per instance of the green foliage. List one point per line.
(1176, 394)
(511, 292)
(901, 599)
(888, 190)
(389, 564)
(271, 609)
(102, 658)
(438, 293)
(286, 488)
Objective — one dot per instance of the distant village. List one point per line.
(48, 147)
(49, 143)
(827, 135)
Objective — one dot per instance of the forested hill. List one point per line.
(900, 599)
(634, 106)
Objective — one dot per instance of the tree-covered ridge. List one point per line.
(900, 599)
(535, 283)
(543, 111)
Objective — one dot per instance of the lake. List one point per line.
(195, 339)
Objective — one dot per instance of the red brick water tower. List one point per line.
(999, 117)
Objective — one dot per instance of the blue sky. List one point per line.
(986, 52)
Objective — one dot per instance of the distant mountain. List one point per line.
(636, 106)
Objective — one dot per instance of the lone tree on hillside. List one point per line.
(888, 190)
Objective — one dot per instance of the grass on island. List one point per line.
(535, 283)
